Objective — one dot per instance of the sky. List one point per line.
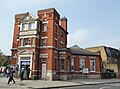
(90, 22)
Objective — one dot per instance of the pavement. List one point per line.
(46, 84)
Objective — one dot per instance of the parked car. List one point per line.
(108, 74)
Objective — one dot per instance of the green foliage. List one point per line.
(3, 60)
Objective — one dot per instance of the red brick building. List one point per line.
(39, 44)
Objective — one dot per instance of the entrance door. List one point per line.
(25, 66)
(44, 70)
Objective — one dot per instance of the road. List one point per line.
(103, 86)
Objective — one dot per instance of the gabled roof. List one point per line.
(28, 17)
(80, 51)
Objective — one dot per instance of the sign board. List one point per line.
(25, 62)
(85, 70)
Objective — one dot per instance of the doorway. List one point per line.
(43, 70)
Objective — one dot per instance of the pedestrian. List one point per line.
(8, 71)
(22, 73)
(11, 77)
(28, 72)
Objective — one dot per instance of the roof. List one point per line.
(80, 51)
(28, 17)
(20, 15)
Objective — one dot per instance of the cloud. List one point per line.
(78, 36)
(89, 38)
(81, 37)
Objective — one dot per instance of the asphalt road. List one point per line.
(103, 86)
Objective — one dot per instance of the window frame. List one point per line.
(26, 40)
(92, 61)
(72, 63)
(62, 64)
(44, 40)
(81, 65)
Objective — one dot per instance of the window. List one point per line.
(43, 59)
(45, 27)
(68, 66)
(28, 26)
(61, 64)
(26, 41)
(61, 45)
(25, 26)
(56, 28)
(32, 25)
(72, 64)
(92, 65)
(56, 35)
(43, 42)
(20, 42)
(33, 41)
(55, 64)
(61, 33)
(56, 43)
(82, 64)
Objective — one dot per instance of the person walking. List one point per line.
(8, 71)
(22, 73)
(11, 76)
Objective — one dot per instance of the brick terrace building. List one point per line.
(40, 44)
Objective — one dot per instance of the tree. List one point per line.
(3, 60)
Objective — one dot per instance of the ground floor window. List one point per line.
(82, 64)
(68, 65)
(92, 65)
(72, 64)
(61, 64)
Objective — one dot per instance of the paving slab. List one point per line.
(42, 84)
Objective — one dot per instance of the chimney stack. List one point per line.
(63, 21)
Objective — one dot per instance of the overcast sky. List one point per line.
(90, 22)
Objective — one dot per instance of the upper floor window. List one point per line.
(28, 26)
(45, 27)
(32, 25)
(44, 42)
(56, 43)
(61, 33)
(20, 42)
(33, 41)
(61, 44)
(92, 65)
(25, 26)
(26, 41)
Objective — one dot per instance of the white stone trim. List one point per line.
(44, 55)
(46, 46)
(44, 22)
(30, 36)
(55, 51)
(19, 61)
(45, 37)
(62, 52)
(82, 56)
(56, 39)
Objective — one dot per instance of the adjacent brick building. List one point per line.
(40, 44)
